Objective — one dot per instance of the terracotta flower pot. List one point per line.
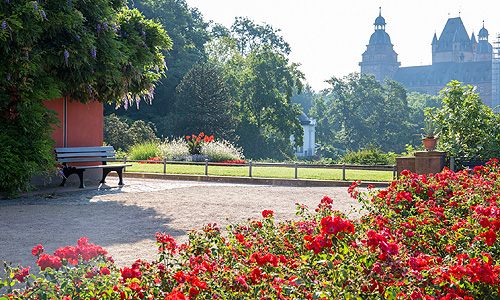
(429, 144)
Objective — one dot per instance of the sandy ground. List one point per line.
(124, 220)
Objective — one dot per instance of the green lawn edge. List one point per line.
(264, 172)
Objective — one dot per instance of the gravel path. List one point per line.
(124, 220)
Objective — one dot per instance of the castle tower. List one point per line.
(454, 44)
(380, 59)
(484, 49)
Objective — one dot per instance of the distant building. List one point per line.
(309, 126)
(455, 56)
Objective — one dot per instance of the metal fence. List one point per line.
(295, 165)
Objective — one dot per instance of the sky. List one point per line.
(327, 37)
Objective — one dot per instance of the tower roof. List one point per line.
(473, 38)
(434, 39)
(379, 21)
(483, 33)
(380, 37)
(454, 31)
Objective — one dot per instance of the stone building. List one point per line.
(455, 56)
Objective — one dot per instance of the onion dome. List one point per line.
(483, 33)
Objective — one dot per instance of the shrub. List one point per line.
(221, 150)
(172, 149)
(424, 237)
(27, 148)
(469, 128)
(122, 135)
(368, 156)
(143, 151)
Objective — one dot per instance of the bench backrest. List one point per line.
(85, 154)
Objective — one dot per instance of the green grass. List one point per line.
(269, 172)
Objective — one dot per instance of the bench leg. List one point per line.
(68, 172)
(80, 174)
(120, 175)
(105, 173)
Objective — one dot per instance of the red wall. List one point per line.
(57, 105)
(80, 126)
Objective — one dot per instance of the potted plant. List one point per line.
(432, 132)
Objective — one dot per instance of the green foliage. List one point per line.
(368, 156)
(417, 104)
(431, 130)
(121, 135)
(250, 36)
(263, 84)
(305, 99)
(92, 50)
(27, 148)
(358, 110)
(188, 31)
(203, 103)
(143, 151)
(469, 128)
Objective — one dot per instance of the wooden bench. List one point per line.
(103, 155)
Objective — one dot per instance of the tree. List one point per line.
(94, 50)
(265, 86)
(204, 104)
(469, 128)
(361, 111)
(119, 133)
(251, 36)
(305, 99)
(417, 104)
(188, 31)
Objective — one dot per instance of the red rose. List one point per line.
(267, 213)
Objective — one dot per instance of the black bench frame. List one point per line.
(88, 154)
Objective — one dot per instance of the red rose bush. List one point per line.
(424, 237)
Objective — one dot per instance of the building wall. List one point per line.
(80, 125)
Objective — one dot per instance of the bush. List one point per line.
(172, 149)
(469, 128)
(368, 156)
(122, 135)
(143, 151)
(221, 150)
(27, 148)
(424, 237)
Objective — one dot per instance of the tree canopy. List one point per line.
(188, 32)
(93, 50)
(90, 50)
(469, 128)
(204, 105)
(357, 111)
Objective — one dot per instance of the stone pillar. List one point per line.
(405, 163)
(423, 162)
(429, 161)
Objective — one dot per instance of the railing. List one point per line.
(295, 165)
(462, 163)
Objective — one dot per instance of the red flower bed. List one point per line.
(424, 237)
(239, 162)
(153, 160)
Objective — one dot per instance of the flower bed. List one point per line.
(424, 237)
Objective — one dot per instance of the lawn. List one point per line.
(268, 172)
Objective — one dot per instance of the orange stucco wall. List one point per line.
(80, 124)
(84, 124)
(57, 105)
